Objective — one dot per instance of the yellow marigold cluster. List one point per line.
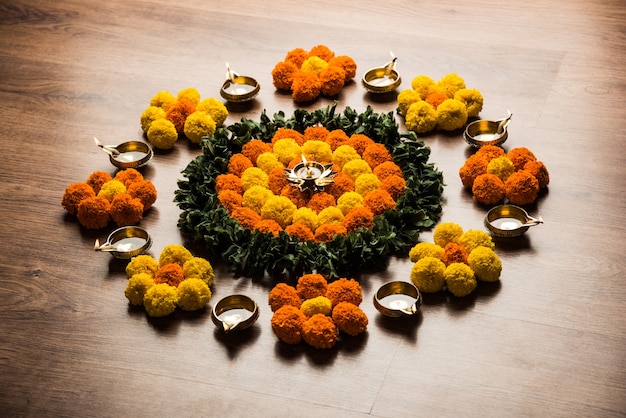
(309, 74)
(494, 175)
(101, 199)
(456, 261)
(176, 279)
(169, 117)
(256, 193)
(317, 312)
(445, 104)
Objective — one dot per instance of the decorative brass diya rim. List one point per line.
(398, 288)
(510, 211)
(378, 73)
(231, 302)
(132, 146)
(496, 128)
(240, 80)
(310, 175)
(121, 233)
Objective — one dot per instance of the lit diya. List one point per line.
(382, 79)
(131, 154)
(397, 299)
(310, 175)
(509, 221)
(126, 242)
(238, 88)
(235, 312)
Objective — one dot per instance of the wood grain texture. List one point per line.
(547, 341)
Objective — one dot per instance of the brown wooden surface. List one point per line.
(547, 341)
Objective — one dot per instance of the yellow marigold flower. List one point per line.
(189, 94)
(450, 84)
(307, 217)
(214, 108)
(254, 176)
(112, 188)
(423, 85)
(354, 168)
(199, 268)
(330, 214)
(268, 161)
(485, 263)
(451, 115)
(472, 99)
(349, 200)
(421, 117)
(425, 249)
(473, 238)
(315, 65)
(460, 279)
(427, 274)
(198, 125)
(142, 264)
(162, 134)
(447, 232)
(193, 294)
(255, 197)
(287, 149)
(160, 300)
(317, 151)
(279, 209)
(137, 286)
(163, 99)
(366, 183)
(174, 254)
(318, 305)
(406, 98)
(343, 154)
(501, 167)
(149, 115)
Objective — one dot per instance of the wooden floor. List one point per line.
(548, 341)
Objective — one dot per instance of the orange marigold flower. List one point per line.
(350, 318)
(394, 185)
(126, 210)
(171, 273)
(93, 212)
(252, 149)
(312, 285)
(454, 253)
(128, 176)
(359, 142)
(387, 169)
(488, 189)
(320, 201)
(376, 154)
(358, 217)
(521, 188)
(315, 133)
(231, 200)
(436, 98)
(342, 184)
(321, 51)
(283, 294)
(239, 163)
(320, 331)
(333, 80)
(300, 231)
(145, 191)
(473, 167)
(97, 179)
(287, 323)
(282, 74)
(228, 182)
(379, 201)
(336, 138)
(489, 152)
(74, 194)
(520, 156)
(277, 180)
(344, 290)
(327, 232)
(178, 112)
(268, 225)
(282, 133)
(540, 171)
(306, 87)
(296, 56)
(299, 198)
(246, 217)
(346, 63)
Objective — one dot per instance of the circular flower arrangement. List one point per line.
(169, 117)
(494, 175)
(176, 279)
(316, 311)
(311, 74)
(102, 198)
(455, 261)
(238, 200)
(445, 104)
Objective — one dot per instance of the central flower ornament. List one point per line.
(310, 175)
